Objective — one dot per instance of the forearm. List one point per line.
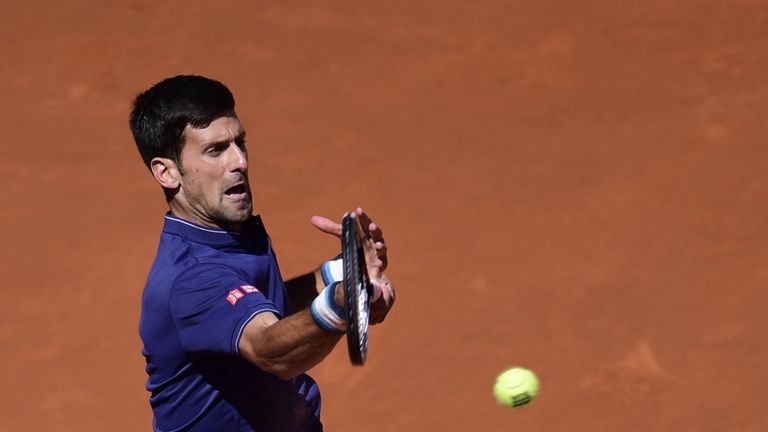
(296, 343)
(289, 346)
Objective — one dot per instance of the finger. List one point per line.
(378, 312)
(382, 304)
(369, 228)
(375, 318)
(376, 289)
(326, 225)
(362, 235)
(365, 221)
(387, 289)
(373, 258)
(376, 233)
(375, 266)
(381, 251)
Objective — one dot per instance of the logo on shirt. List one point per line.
(234, 296)
(249, 289)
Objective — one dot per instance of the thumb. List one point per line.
(326, 225)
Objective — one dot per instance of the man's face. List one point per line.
(214, 189)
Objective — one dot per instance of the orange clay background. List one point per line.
(578, 187)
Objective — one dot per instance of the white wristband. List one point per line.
(326, 313)
(332, 271)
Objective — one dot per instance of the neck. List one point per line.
(189, 214)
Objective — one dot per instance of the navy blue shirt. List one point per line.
(204, 286)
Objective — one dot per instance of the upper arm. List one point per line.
(212, 305)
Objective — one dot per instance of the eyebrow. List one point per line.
(239, 136)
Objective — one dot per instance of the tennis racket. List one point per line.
(357, 288)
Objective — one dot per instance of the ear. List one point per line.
(166, 172)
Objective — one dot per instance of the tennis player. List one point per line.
(227, 342)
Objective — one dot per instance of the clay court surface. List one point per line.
(578, 187)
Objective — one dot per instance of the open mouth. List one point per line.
(237, 192)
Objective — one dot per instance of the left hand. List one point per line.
(375, 251)
(373, 240)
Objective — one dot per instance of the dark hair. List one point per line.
(161, 113)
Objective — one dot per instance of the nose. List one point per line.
(238, 159)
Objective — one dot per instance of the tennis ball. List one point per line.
(516, 387)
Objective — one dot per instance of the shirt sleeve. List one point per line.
(211, 305)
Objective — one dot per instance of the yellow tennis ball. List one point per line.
(516, 387)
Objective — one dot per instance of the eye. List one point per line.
(216, 149)
(240, 142)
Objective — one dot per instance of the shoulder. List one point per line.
(174, 251)
(174, 257)
(206, 274)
